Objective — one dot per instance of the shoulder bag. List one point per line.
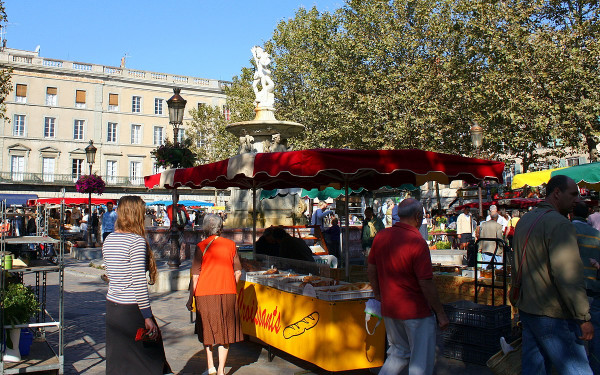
(515, 291)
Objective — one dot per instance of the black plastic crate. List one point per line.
(475, 315)
(467, 353)
(486, 338)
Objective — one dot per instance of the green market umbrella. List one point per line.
(585, 175)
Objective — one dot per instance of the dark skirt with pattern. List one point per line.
(124, 355)
(218, 320)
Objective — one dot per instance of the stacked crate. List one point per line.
(475, 330)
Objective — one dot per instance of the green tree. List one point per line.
(212, 142)
(6, 85)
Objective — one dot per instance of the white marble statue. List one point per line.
(264, 97)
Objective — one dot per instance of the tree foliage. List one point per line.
(207, 130)
(418, 74)
(5, 74)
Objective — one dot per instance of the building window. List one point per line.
(77, 168)
(136, 134)
(48, 165)
(51, 93)
(136, 104)
(159, 138)
(21, 93)
(17, 168)
(157, 168)
(158, 106)
(49, 126)
(111, 171)
(111, 135)
(19, 126)
(78, 129)
(571, 162)
(79, 98)
(113, 102)
(181, 135)
(135, 173)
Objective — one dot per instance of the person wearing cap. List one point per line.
(319, 215)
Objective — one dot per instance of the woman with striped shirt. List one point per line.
(127, 258)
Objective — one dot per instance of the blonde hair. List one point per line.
(130, 219)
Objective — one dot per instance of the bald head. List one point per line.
(410, 212)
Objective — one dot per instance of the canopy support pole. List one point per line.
(174, 261)
(347, 231)
(253, 219)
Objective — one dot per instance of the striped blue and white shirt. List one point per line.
(125, 259)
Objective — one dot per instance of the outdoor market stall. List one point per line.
(339, 342)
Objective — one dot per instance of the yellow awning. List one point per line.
(532, 178)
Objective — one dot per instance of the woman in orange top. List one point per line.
(216, 269)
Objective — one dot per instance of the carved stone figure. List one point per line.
(246, 144)
(264, 97)
(278, 145)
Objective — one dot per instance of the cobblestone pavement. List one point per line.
(85, 294)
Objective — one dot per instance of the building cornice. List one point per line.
(19, 60)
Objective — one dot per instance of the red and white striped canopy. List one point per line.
(316, 168)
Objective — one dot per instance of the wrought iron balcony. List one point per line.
(64, 179)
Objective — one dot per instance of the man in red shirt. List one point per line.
(402, 279)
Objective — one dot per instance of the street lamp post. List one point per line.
(176, 105)
(90, 155)
(477, 141)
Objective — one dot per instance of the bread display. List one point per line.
(301, 326)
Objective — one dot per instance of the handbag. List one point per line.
(515, 291)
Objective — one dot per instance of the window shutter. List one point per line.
(113, 99)
(51, 91)
(582, 160)
(80, 96)
(21, 90)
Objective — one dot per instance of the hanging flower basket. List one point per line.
(170, 155)
(90, 183)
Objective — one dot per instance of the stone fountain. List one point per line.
(263, 134)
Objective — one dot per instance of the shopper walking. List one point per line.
(127, 258)
(548, 286)
(401, 275)
(108, 220)
(216, 269)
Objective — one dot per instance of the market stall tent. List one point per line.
(585, 175)
(185, 202)
(70, 201)
(533, 179)
(338, 168)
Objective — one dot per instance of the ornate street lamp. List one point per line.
(90, 155)
(476, 135)
(176, 106)
(477, 141)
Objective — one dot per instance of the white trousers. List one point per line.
(412, 343)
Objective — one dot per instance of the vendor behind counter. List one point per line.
(276, 241)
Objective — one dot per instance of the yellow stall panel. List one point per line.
(331, 335)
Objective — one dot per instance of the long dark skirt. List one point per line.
(124, 355)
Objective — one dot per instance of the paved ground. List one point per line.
(85, 342)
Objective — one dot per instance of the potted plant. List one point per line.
(19, 305)
(90, 184)
(175, 155)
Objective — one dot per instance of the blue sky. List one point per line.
(213, 40)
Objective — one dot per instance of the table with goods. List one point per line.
(295, 307)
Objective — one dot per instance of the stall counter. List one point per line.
(331, 335)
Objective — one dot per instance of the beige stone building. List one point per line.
(56, 107)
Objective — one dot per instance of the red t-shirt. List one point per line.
(402, 259)
(216, 267)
